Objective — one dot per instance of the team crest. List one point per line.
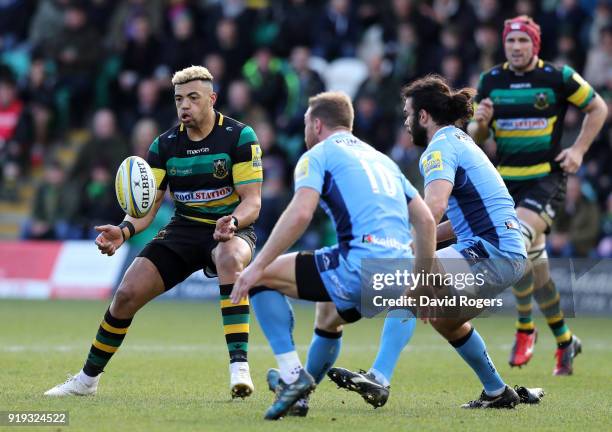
(541, 101)
(220, 168)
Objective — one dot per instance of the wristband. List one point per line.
(130, 227)
(235, 219)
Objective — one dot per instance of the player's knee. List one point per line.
(128, 297)
(228, 263)
(529, 234)
(125, 297)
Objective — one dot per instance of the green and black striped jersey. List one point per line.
(203, 175)
(529, 109)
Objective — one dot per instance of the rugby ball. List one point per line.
(135, 186)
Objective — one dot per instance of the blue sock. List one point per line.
(275, 317)
(472, 349)
(323, 352)
(396, 333)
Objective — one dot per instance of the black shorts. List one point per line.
(310, 286)
(183, 247)
(543, 195)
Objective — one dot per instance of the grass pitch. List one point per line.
(171, 374)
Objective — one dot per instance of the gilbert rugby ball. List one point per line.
(135, 186)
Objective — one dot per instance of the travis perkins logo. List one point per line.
(220, 168)
(144, 179)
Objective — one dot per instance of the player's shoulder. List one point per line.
(238, 132)
(496, 72)
(170, 135)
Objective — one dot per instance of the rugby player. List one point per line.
(524, 102)
(351, 181)
(461, 182)
(212, 164)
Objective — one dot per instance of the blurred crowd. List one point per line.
(104, 67)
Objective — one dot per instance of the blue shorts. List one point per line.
(341, 278)
(500, 269)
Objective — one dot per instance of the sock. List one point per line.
(523, 292)
(235, 324)
(396, 333)
(472, 349)
(289, 365)
(323, 352)
(110, 334)
(548, 301)
(86, 379)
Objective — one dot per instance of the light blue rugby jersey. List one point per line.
(480, 204)
(365, 194)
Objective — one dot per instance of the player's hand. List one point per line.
(109, 239)
(484, 112)
(224, 229)
(570, 160)
(247, 280)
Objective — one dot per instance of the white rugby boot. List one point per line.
(241, 385)
(74, 386)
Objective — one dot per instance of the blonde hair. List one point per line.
(191, 73)
(334, 109)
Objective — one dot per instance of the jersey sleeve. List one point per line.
(310, 170)
(246, 161)
(158, 165)
(439, 163)
(576, 90)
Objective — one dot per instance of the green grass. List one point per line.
(171, 374)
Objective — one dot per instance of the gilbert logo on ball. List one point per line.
(135, 186)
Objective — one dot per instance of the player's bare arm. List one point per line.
(290, 226)
(478, 128)
(444, 232)
(596, 113)
(424, 233)
(111, 237)
(437, 193)
(245, 214)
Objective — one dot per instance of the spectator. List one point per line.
(604, 249)
(105, 147)
(265, 77)
(381, 85)
(337, 32)
(598, 70)
(148, 104)
(227, 42)
(303, 83)
(240, 105)
(140, 57)
(215, 63)
(97, 202)
(576, 227)
(39, 93)
(296, 14)
(406, 155)
(14, 21)
(121, 22)
(275, 192)
(52, 207)
(15, 136)
(182, 48)
(143, 134)
(76, 51)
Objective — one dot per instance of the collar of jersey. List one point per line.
(441, 132)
